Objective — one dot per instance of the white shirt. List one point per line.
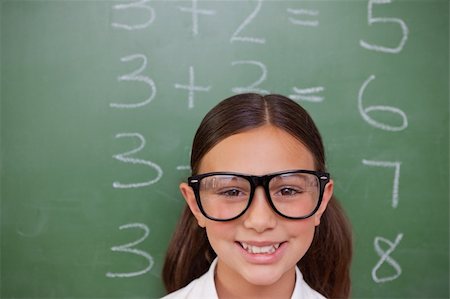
(205, 288)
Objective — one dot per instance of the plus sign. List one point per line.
(191, 87)
(195, 12)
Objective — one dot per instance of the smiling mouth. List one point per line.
(269, 249)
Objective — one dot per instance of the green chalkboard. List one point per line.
(100, 101)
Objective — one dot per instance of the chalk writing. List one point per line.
(252, 87)
(38, 225)
(183, 167)
(395, 183)
(365, 111)
(136, 76)
(195, 12)
(372, 20)
(192, 87)
(128, 248)
(124, 158)
(304, 12)
(136, 5)
(386, 258)
(305, 94)
(186, 166)
(236, 38)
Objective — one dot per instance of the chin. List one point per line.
(262, 279)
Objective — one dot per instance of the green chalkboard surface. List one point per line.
(100, 101)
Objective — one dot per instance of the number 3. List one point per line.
(137, 5)
(129, 248)
(136, 76)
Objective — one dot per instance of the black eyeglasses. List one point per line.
(225, 196)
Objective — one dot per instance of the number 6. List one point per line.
(365, 112)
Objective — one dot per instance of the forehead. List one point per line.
(258, 151)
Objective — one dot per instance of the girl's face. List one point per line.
(259, 151)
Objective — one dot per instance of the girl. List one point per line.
(260, 212)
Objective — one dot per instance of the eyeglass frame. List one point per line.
(256, 181)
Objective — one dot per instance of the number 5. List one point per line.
(371, 20)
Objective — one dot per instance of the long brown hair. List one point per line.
(326, 265)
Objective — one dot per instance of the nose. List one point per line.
(260, 216)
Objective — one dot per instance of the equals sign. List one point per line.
(307, 94)
(304, 12)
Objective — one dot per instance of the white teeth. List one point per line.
(265, 249)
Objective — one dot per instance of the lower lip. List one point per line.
(262, 258)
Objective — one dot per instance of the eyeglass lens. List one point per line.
(226, 196)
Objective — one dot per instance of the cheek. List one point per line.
(303, 233)
(219, 234)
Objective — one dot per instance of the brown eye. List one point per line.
(288, 192)
(232, 192)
